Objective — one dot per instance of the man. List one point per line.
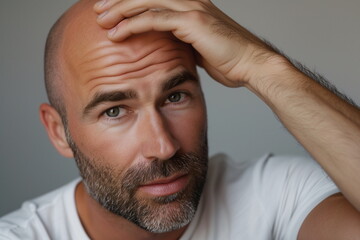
(127, 104)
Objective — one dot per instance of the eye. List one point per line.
(114, 112)
(175, 97)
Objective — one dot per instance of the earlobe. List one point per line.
(53, 124)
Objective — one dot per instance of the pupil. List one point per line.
(175, 97)
(113, 112)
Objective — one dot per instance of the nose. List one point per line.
(157, 141)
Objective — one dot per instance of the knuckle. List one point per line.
(199, 5)
(161, 15)
(198, 16)
(148, 15)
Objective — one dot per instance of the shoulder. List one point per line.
(274, 192)
(284, 168)
(28, 222)
(280, 181)
(290, 187)
(290, 174)
(264, 169)
(243, 197)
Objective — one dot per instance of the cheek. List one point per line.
(189, 129)
(110, 146)
(121, 148)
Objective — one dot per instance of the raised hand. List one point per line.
(235, 57)
(228, 52)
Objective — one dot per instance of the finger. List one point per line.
(135, 25)
(217, 75)
(164, 20)
(104, 5)
(110, 18)
(128, 8)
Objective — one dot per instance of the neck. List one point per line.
(101, 224)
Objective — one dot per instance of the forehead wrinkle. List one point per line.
(109, 83)
(114, 57)
(129, 77)
(116, 80)
(132, 73)
(123, 71)
(105, 49)
(111, 58)
(130, 53)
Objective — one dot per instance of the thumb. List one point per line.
(214, 73)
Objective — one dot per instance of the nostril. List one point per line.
(161, 147)
(158, 140)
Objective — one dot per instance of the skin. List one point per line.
(149, 127)
(327, 126)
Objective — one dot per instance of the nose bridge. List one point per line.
(157, 139)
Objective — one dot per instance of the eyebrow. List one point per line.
(116, 96)
(178, 79)
(112, 96)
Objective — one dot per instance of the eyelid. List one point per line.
(184, 95)
(121, 115)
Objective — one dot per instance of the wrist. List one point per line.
(275, 76)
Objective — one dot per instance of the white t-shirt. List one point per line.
(264, 199)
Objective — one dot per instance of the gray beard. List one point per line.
(115, 190)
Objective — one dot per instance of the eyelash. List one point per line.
(184, 96)
(120, 115)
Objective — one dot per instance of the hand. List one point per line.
(227, 51)
(235, 57)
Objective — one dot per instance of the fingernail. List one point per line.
(102, 15)
(100, 4)
(112, 31)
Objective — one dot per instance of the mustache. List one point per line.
(140, 174)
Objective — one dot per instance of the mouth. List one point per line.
(165, 186)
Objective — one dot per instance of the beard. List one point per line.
(115, 189)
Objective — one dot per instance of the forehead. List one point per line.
(138, 56)
(139, 63)
(90, 57)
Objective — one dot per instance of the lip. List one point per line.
(165, 186)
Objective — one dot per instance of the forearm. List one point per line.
(326, 125)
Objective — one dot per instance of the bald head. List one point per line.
(74, 24)
(125, 105)
(74, 37)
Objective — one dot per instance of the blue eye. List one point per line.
(175, 97)
(113, 112)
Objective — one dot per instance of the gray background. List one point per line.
(323, 34)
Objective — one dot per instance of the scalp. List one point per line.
(72, 29)
(74, 36)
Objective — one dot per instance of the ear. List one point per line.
(53, 124)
